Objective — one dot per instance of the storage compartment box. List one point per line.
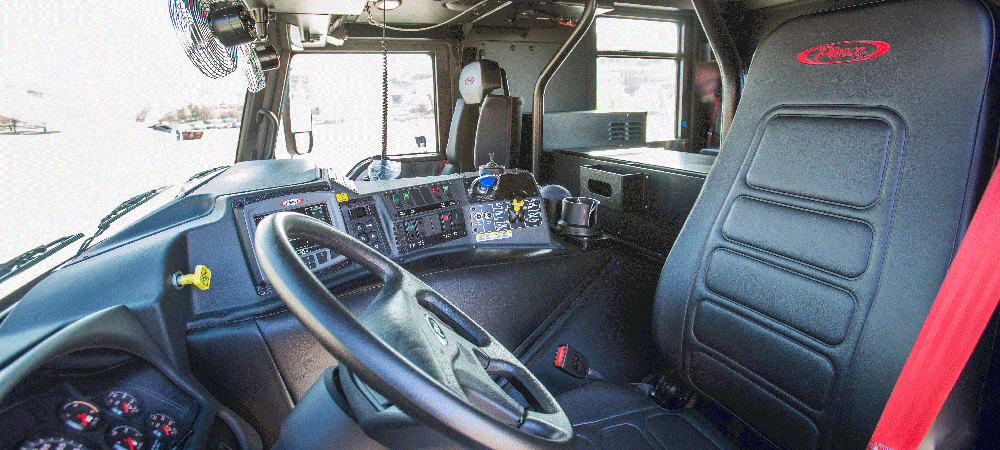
(618, 189)
(594, 129)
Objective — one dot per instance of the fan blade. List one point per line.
(251, 68)
(193, 30)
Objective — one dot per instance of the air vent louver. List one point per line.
(625, 131)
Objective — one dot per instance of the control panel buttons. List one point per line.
(436, 228)
(310, 261)
(361, 215)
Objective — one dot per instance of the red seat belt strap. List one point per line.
(960, 312)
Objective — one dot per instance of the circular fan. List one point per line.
(251, 67)
(215, 34)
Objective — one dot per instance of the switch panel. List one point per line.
(361, 218)
(415, 233)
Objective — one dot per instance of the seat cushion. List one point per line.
(608, 416)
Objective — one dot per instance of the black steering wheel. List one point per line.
(412, 345)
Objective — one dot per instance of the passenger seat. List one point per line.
(483, 123)
(799, 282)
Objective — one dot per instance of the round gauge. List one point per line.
(122, 403)
(124, 437)
(80, 415)
(161, 426)
(52, 443)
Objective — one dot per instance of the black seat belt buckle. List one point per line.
(574, 363)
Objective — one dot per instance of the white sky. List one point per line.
(97, 64)
(113, 58)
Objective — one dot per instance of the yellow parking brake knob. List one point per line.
(201, 278)
(517, 204)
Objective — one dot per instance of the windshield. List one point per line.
(98, 103)
(346, 112)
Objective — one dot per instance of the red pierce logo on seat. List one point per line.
(290, 202)
(843, 52)
(470, 80)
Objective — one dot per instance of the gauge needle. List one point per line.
(83, 418)
(166, 431)
(125, 405)
(130, 446)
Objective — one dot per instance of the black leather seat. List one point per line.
(483, 123)
(801, 278)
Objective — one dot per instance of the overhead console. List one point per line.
(400, 218)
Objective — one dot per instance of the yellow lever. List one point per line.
(201, 278)
(517, 204)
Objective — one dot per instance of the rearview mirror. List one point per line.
(299, 127)
(303, 140)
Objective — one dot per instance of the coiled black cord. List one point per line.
(385, 94)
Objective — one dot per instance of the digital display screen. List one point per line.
(317, 211)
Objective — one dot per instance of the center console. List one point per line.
(404, 217)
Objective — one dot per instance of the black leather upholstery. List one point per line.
(478, 79)
(461, 136)
(482, 123)
(499, 130)
(623, 418)
(800, 280)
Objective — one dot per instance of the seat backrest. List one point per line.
(808, 264)
(483, 123)
(478, 79)
(499, 130)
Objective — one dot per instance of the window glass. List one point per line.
(637, 35)
(96, 107)
(343, 93)
(638, 84)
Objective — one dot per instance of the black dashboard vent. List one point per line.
(625, 131)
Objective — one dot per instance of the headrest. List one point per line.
(478, 79)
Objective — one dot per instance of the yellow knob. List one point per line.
(517, 204)
(201, 278)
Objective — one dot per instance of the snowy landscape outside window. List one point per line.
(343, 91)
(98, 104)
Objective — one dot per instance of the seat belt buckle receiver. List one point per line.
(569, 360)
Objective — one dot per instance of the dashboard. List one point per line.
(95, 355)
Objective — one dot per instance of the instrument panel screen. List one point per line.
(317, 211)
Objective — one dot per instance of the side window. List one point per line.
(638, 69)
(87, 121)
(343, 93)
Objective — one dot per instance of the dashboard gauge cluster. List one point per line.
(119, 422)
(131, 407)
